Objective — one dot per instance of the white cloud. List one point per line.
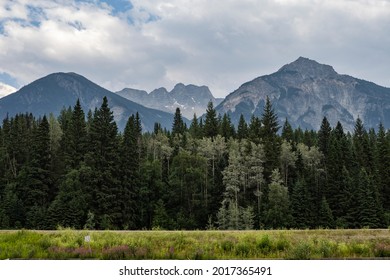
(6, 89)
(217, 43)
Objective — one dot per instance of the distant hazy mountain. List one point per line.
(190, 99)
(52, 93)
(305, 91)
(6, 89)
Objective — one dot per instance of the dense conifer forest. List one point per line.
(79, 171)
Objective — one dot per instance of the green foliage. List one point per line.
(69, 208)
(57, 172)
(278, 214)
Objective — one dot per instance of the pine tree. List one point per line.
(103, 159)
(270, 139)
(130, 174)
(300, 205)
(195, 129)
(36, 179)
(254, 130)
(287, 132)
(211, 122)
(161, 219)
(383, 144)
(77, 135)
(360, 145)
(325, 216)
(226, 129)
(344, 214)
(178, 124)
(242, 129)
(12, 210)
(138, 136)
(368, 209)
(65, 118)
(324, 137)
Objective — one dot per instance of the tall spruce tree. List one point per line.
(242, 128)
(74, 138)
(195, 129)
(77, 136)
(254, 130)
(368, 212)
(384, 166)
(210, 128)
(178, 124)
(287, 132)
(325, 218)
(324, 137)
(103, 159)
(270, 139)
(130, 174)
(36, 180)
(300, 205)
(360, 145)
(226, 128)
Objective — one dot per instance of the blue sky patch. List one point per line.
(8, 79)
(118, 6)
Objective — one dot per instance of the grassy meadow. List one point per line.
(270, 244)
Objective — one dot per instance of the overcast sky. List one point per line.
(147, 44)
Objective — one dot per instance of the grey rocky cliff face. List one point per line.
(305, 91)
(191, 99)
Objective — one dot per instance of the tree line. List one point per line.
(77, 170)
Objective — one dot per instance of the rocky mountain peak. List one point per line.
(189, 98)
(308, 68)
(304, 91)
(179, 86)
(159, 91)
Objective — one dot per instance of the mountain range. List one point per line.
(191, 99)
(305, 91)
(56, 91)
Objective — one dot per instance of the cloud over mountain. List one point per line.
(6, 89)
(153, 43)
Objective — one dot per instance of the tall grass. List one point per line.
(278, 244)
